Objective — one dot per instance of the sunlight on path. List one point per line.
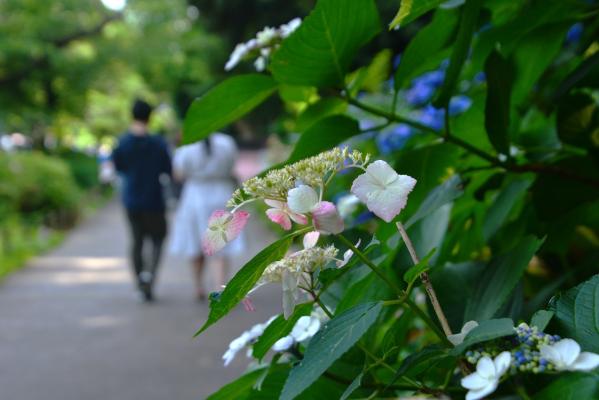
(71, 326)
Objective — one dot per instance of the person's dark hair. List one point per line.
(141, 111)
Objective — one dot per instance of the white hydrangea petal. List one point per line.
(502, 363)
(290, 292)
(481, 393)
(283, 343)
(310, 239)
(382, 172)
(240, 342)
(586, 361)
(302, 199)
(229, 356)
(275, 203)
(551, 354)
(485, 368)
(474, 381)
(313, 327)
(568, 349)
(363, 186)
(300, 329)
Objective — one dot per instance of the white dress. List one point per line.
(208, 184)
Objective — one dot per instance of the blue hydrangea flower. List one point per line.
(459, 104)
(574, 33)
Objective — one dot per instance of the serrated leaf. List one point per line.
(486, 330)
(278, 328)
(225, 103)
(427, 49)
(323, 135)
(335, 338)
(320, 51)
(541, 319)
(409, 10)
(499, 72)
(414, 271)
(577, 314)
(499, 279)
(244, 280)
(467, 26)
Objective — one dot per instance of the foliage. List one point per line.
(494, 113)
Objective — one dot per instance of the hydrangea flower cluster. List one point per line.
(530, 350)
(267, 40)
(295, 194)
(303, 330)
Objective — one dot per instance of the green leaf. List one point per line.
(225, 103)
(426, 50)
(500, 278)
(535, 52)
(571, 386)
(352, 386)
(278, 328)
(319, 110)
(414, 271)
(409, 10)
(239, 388)
(377, 72)
(298, 94)
(486, 330)
(502, 205)
(577, 314)
(447, 192)
(467, 25)
(500, 77)
(541, 319)
(320, 51)
(244, 280)
(335, 338)
(324, 135)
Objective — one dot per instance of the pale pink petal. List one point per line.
(326, 218)
(302, 199)
(279, 216)
(213, 241)
(218, 217)
(235, 225)
(502, 363)
(586, 362)
(298, 218)
(310, 239)
(248, 305)
(474, 382)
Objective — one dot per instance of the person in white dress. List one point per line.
(206, 168)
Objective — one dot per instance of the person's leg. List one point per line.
(198, 266)
(221, 271)
(136, 246)
(156, 229)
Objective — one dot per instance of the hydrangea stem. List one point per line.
(428, 286)
(370, 264)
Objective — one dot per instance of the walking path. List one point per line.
(71, 327)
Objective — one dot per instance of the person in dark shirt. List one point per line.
(141, 159)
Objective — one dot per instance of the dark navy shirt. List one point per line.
(141, 160)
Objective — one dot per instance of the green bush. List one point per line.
(36, 184)
(83, 167)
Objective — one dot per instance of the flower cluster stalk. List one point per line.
(428, 286)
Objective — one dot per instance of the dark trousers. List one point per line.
(146, 225)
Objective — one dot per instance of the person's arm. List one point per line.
(166, 162)
(118, 159)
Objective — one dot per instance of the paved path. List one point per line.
(71, 327)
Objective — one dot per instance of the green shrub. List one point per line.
(83, 167)
(34, 183)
